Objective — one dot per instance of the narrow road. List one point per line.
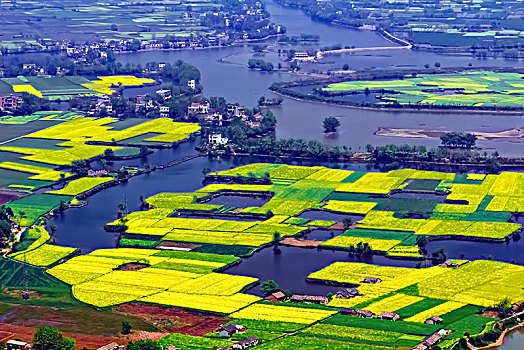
(13, 139)
(406, 46)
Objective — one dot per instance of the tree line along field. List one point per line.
(479, 207)
(44, 157)
(65, 88)
(90, 20)
(477, 89)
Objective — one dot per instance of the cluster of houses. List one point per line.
(217, 117)
(232, 25)
(232, 329)
(10, 102)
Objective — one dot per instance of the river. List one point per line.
(234, 81)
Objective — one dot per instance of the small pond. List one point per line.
(329, 216)
(292, 265)
(322, 235)
(239, 201)
(508, 252)
(215, 217)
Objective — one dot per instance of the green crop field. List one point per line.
(473, 89)
(195, 280)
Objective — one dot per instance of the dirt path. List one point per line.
(13, 139)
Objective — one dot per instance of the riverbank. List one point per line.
(491, 99)
(377, 108)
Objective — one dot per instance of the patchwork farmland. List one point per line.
(65, 88)
(210, 238)
(472, 89)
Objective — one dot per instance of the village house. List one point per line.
(297, 298)
(143, 101)
(10, 102)
(365, 314)
(348, 312)
(246, 343)
(17, 345)
(429, 342)
(198, 108)
(433, 320)
(237, 111)
(164, 93)
(111, 346)
(252, 124)
(347, 293)
(93, 173)
(386, 315)
(28, 66)
(215, 118)
(448, 263)
(230, 329)
(104, 102)
(217, 139)
(372, 280)
(276, 297)
(164, 111)
(518, 306)
(191, 84)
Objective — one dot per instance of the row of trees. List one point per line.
(458, 140)
(260, 64)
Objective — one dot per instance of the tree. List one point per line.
(458, 139)
(426, 66)
(80, 167)
(114, 27)
(347, 222)
(422, 240)
(50, 338)
(345, 67)
(206, 171)
(492, 166)
(505, 303)
(143, 150)
(126, 327)
(5, 229)
(330, 124)
(268, 287)
(437, 65)
(67, 344)
(144, 344)
(109, 153)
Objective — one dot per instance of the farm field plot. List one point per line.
(174, 278)
(81, 185)
(458, 285)
(196, 278)
(53, 87)
(37, 153)
(39, 253)
(386, 226)
(41, 115)
(476, 88)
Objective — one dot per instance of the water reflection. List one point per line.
(292, 265)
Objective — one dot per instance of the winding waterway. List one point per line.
(83, 227)
(234, 81)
